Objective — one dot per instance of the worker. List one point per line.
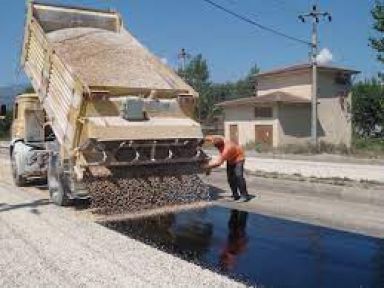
(233, 154)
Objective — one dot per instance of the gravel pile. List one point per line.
(137, 189)
(105, 58)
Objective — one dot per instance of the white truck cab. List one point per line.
(28, 152)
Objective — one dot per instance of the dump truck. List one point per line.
(103, 103)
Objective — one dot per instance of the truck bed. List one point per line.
(103, 58)
(75, 56)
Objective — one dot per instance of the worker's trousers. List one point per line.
(236, 180)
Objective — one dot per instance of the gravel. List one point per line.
(42, 245)
(105, 58)
(143, 188)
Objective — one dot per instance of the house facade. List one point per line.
(280, 112)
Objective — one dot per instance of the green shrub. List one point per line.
(372, 147)
(5, 126)
(305, 148)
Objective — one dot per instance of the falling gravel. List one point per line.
(134, 190)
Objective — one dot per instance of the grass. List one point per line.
(361, 147)
(371, 147)
(306, 148)
(336, 181)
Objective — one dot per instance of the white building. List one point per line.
(280, 113)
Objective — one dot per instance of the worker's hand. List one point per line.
(207, 169)
(208, 139)
(205, 166)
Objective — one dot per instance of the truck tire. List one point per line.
(57, 185)
(18, 179)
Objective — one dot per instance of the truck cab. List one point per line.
(28, 153)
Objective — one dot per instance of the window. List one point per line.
(342, 79)
(263, 112)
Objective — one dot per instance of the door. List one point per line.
(264, 135)
(234, 133)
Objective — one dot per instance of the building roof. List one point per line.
(305, 66)
(274, 97)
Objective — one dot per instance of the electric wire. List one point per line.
(254, 23)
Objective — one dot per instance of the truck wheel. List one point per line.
(17, 178)
(57, 185)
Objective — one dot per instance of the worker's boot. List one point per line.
(243, 199)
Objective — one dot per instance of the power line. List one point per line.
(254, 23)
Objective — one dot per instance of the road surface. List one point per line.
(315, 166)
(42, 245)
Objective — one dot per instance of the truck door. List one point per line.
(34, 126)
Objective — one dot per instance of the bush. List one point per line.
(372, 147)
(5, 126)
(306, 148)
(368, 108)
(258, 147)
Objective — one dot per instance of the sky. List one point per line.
(230, 46)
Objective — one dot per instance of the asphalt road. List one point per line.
(356, 208)
(42, 245)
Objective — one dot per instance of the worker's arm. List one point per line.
(217, 162)
(208, 138)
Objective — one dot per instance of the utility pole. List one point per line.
(315, 16)
(183, 55)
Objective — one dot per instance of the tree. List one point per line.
(223, 91)
(29, 90)
(239, 89)
(196, 74)
(246, 87)
(378, 42)
(368, 108)
(5, 125)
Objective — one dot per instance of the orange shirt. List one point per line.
(232, 153)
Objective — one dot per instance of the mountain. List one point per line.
(8, 93)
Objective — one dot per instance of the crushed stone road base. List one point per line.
(145, 189)
(42, 245)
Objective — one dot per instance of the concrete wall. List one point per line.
(244, 117)
(298, 84)
(334, 114)
(294, 124)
